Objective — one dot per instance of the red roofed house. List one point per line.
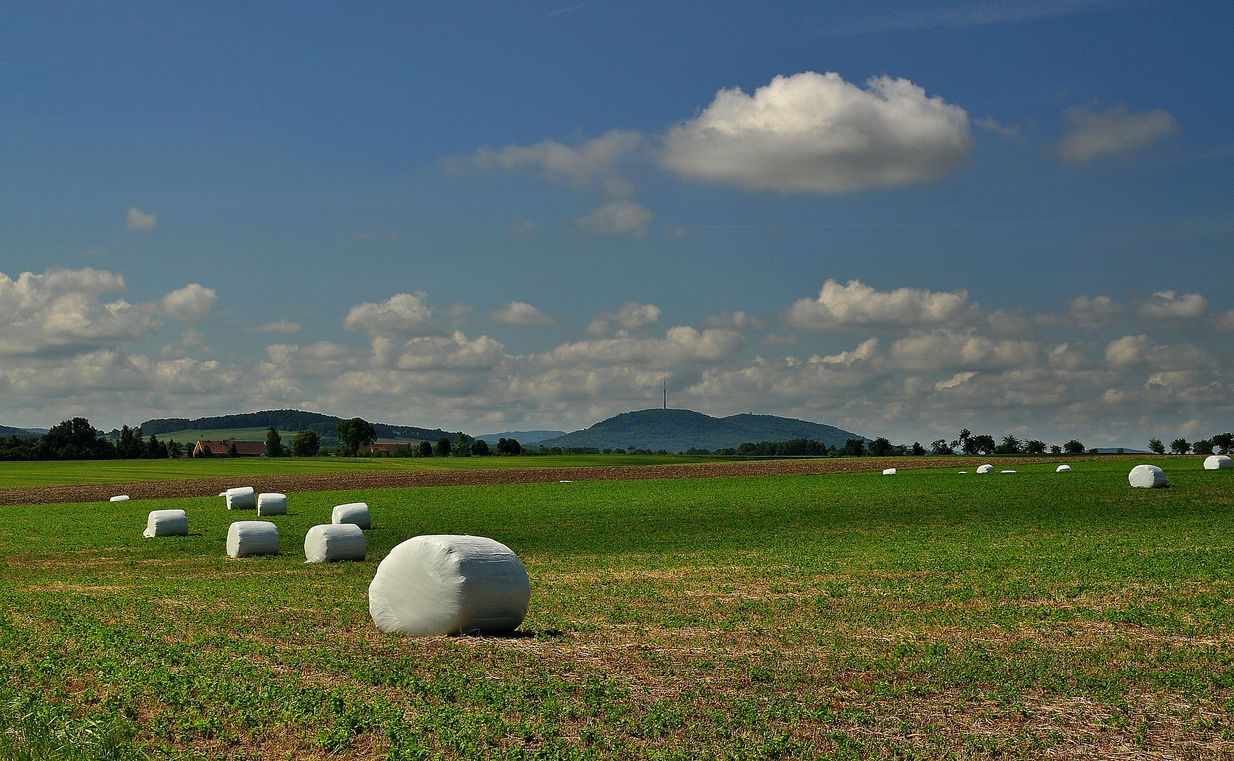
(223, 448)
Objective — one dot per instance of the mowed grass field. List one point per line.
(925, 615)
(55, 473)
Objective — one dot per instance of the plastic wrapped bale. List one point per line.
(240, 498)
(1006, 471)
(247, 538)
(1063, 469)
(889, 471)
(271, 503)
(119, 498)
(352, 512)
(1218, 462)
(987, 468)
(166, 523)
(329, 542)
(445, 584)
(1147, 477)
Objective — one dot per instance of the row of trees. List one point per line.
(1222, 441)
(966, 443)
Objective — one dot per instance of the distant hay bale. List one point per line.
(963, 473)
(1147, 477)
(1063, 469)
(1218, 462)
(166, 523)
(448, 584)
(329, 542)
(1006, 471)
(247, 538)
(987, 468)
(240, 498)
(889, 471)
(352, 512)
(119, 498)
(271, 503)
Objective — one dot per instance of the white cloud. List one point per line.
(857, 305)
(136, 219)
(402, 313)
(956, 380)
(521, 313)
(1170, 304)
(632, 316)
(590, 163)
(944, 350)
(681, 344)
(60, 311)
(1112, 131)
(1224, 322)
(192, 302)
(816, 133)
(616, 218)
(1092, 313)
(280, 326)
(738, 320)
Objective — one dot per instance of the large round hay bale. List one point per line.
(166, 523)
(1218, 462)
(352, 512)
(447, 584)
(246, 538)
(1063, 469)
(987, 468)
(1146, 477)
(271, 503)
(241, 498)
(329, 542)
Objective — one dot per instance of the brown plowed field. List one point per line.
(202, 487)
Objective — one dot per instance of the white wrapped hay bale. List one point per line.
(1147, 477)
(352, 512)
(889, 471)
(1218, 462)
(240, 498)
(1006, 471)
(1063, 469)
(329, 542)
(166, 523)
(987, 468)
(119, 498)
(271, 503)
(446, 584)
(246, 538)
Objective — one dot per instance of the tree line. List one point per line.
(1221, 441)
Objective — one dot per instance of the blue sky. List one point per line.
(898, 218)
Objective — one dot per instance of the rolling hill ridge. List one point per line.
(286, 420)
(679, 430)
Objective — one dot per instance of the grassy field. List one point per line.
(51, 473)
(926, 615)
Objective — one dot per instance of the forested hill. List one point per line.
(286, 420)
(679, 430)
(24, 433)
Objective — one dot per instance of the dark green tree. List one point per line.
(941, 447)
(1203, 446)
(155, 449)
(1073, 447)
(426, 449)
(918, 450)
(510, 447)
(880, 447)
(854, 448)
(74, 439)
(306, 444)
(129, 445)
(1225, 441)
(443, 447)
(1180, 446)
(479, 448)
(983, 444)
(274, 443)
(1155, 446)
(353, 434)
(174, 450)
(1035, 446)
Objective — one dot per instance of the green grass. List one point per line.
(52, 473)
(929, 615)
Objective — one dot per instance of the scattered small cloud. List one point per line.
(521, 230)
(1005, 132)
(192, 302)
(591, 163)
(616, 218)
(632, 316)
(402, 313)
(856, 305)
(279, 326)
(136, 219)
(1173, 305)
(816, 133)
(521, 313)
(1091, 134)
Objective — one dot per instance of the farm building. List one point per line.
(224, 448)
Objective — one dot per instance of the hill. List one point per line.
(25, 433)
(522, 437)
(679, 430)
(284, 420)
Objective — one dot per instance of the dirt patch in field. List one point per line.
(204, 487)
